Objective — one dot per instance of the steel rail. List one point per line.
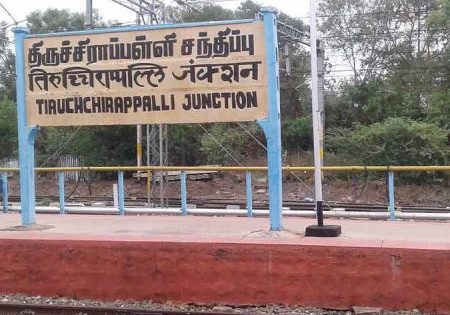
(333, 213)
(43, 309)
(258, 204)
(223, 202)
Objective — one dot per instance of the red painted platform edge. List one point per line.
(241, 274)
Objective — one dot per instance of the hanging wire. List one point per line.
(9, 13)
(292, 173)
(251, 135)
(221, 146)
(58, 151)
(265, 148)
(261, 144)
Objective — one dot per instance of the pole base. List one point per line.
(323, 230)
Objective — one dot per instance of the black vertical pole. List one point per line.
(319, 209)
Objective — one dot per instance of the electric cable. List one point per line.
(58, 151)
(220, 145)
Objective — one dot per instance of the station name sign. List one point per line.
(172, 75)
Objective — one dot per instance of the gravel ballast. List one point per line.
(169, 306)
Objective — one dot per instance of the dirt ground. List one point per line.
(232, 186)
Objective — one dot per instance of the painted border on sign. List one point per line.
(198, 74)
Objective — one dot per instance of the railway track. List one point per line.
(221, 203)
(224, 203)
(40, 309)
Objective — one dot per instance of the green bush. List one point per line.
(234, 139)
(396, 141)
(438, 110)
(8, 128)
(297, 133)
(96, 145)
(185, 144)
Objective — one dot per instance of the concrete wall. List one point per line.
(337, 277)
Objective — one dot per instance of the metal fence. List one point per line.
(61, 173)
(70, 161)
(9, 163)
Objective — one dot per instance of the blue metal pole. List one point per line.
(391, 197)
(62, 209)
(5, 192)
(121, 192)
(183, 193)
(248, 186)
(272, 126)
(26, 134)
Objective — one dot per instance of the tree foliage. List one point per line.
(228, 143)
(185, 143)
(56, 20)
(396, 141)
(7, 66)
(375, 36)
(8, 128)
(297, 133)
(392, 109)
(398, 53)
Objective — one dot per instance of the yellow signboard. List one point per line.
(177, 75)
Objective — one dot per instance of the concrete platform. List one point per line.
(228, 260)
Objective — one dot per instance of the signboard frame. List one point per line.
(271, 125)
(147, 75)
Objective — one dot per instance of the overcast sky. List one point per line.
(112, 11)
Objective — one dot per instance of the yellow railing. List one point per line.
(249, 169)
(430, 168)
